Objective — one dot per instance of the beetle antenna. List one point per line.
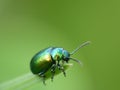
(82, 45)
(76, 60)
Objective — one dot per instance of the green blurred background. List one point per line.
(27, 26)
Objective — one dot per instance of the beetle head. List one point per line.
(66, 55)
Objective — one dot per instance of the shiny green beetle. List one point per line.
(50, 58)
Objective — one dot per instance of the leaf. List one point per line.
(28, 80)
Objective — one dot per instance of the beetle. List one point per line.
(50, 58)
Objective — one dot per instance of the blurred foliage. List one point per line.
(27, 26)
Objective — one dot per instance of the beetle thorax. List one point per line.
(57, 54)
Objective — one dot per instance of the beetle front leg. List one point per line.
(60, 67)
(53, 71)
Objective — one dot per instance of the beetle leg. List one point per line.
(60, 67)
(43, 78)
(63, 62)
(53, 71)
